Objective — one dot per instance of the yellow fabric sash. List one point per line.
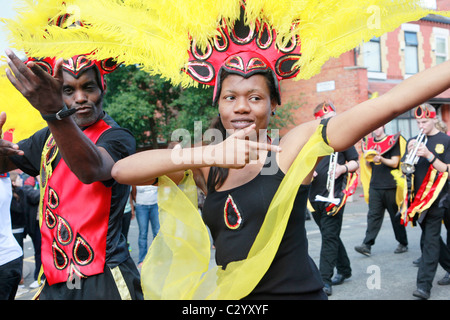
(178, 264)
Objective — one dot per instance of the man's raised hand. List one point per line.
(7, 148)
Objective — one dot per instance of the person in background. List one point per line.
(31, 189)
(146, 208)
(429, 182)
(11, 254)
(329, 216)
(19, 207)
(385, 158)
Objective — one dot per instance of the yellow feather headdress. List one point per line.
(22, 119)
(156, 34)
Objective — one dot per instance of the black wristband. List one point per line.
(61, 114)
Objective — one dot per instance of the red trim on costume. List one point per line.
(422, 112)
(231, 212)
(381, 146)
(326, 108)
(243, 50)
(350, 189)
(422, 197)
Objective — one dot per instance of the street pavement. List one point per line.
(382, 276)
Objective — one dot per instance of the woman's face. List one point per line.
(243, 102)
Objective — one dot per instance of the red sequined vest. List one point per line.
(74, 218)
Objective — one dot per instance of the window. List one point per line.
(405, 123)
(411, 53)
(429, 4)
(372, 55)
(441, 49)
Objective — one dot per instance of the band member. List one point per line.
(428, 182)
(328, 216)
(381, 154)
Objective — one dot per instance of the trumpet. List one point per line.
(370, 154)
(330, 181)
(411, 160)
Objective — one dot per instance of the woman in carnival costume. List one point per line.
(256, 191)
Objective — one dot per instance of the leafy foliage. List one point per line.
(152, 108)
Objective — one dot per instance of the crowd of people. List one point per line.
(382, 155)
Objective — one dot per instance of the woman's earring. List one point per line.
(273, 113)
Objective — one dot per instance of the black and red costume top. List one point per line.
(78, 233)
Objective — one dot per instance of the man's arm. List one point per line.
(87, 161)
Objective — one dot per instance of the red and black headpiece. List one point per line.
(77, 65)
(424, 112)
(244, 50)
(326, 108)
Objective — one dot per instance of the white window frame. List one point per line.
(410, 27)
(440, 33)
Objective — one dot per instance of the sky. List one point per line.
(6, 11)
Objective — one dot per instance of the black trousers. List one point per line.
(332, 251)
(112, 284)
(10, 276)
(379, 201)
(434, 250)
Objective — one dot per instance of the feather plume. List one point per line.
(22, 119)
(156, 34)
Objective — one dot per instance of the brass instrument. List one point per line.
(330, 181)
(369, 155)
(408, 166)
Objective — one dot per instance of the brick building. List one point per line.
(377, 66)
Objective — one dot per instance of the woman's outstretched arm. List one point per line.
(347, 128)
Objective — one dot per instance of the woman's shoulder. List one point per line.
(293, 141)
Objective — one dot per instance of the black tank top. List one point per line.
(234, 218)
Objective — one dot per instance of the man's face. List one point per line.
(85, 95)
(426, 124)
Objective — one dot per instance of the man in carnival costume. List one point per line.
(84, 255)
(381, 156)
(426, 188)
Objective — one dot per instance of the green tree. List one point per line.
(151, 108)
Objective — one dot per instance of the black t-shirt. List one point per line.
(319, 183)
(381, 174)
(439, 145)
(18, 208)
(292, 271)
(119, 143)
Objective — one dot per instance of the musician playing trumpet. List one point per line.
(332, 180)
(427, 191)
(382, 155)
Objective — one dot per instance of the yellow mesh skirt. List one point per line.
(178, 266)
